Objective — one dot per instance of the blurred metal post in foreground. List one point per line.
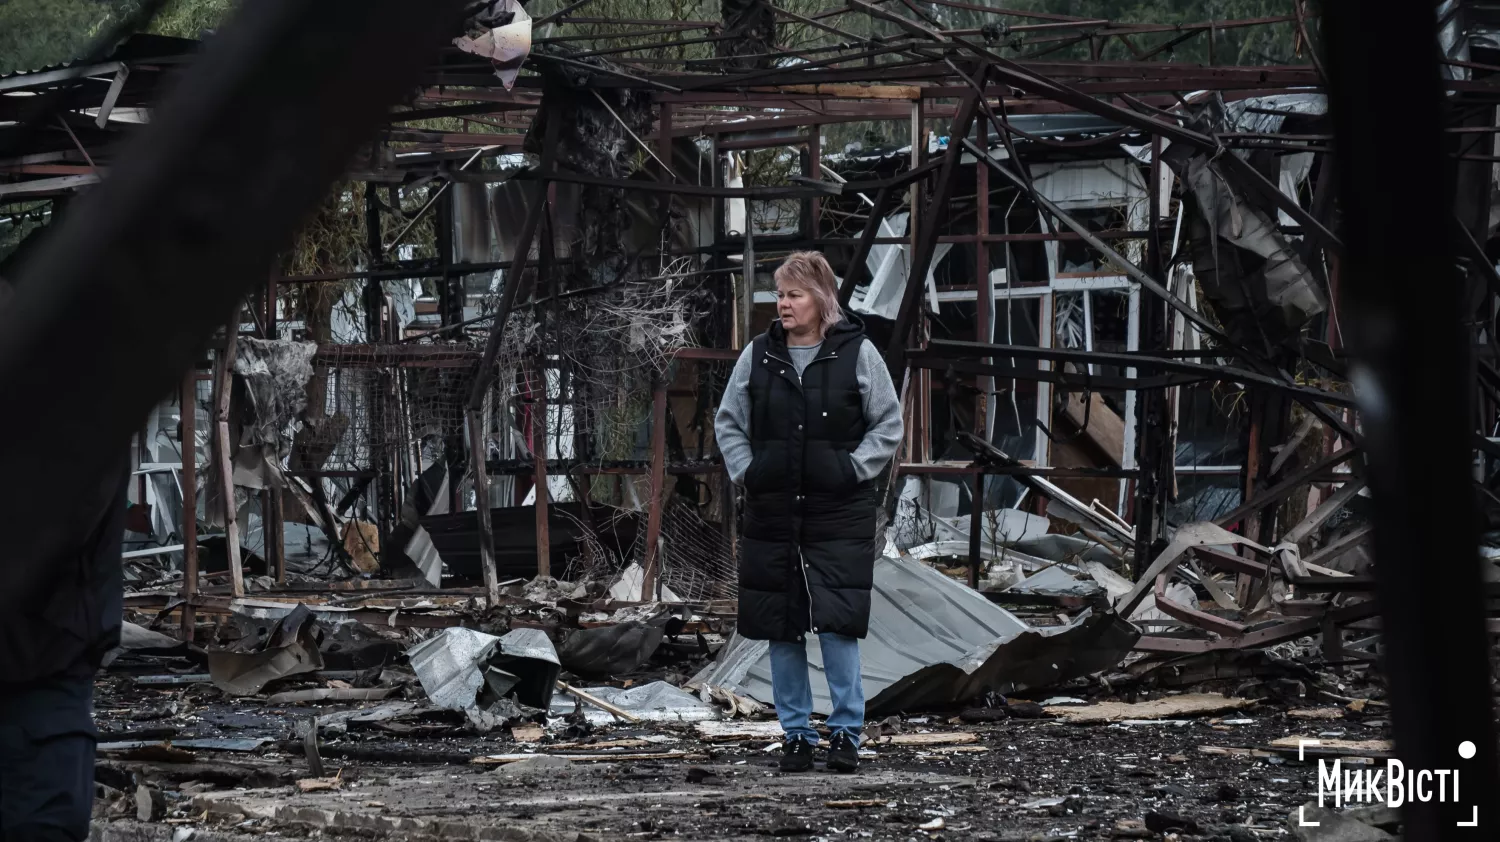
(113, 306)
(1403, 297)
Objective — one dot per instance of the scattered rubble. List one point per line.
(418, 579)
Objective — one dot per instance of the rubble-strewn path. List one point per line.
(1216, 776)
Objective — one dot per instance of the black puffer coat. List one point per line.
(808, 538)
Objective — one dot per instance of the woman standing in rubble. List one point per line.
(808, 419)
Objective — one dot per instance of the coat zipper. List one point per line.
(807, 587)
(831, 355)
(800, 557)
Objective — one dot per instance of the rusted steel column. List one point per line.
(1246, 583)
(658, 482)
(273, 521)
(747, 284)
(985, 303)
(277, 518)
(223, 455)
(976, 530)
(539, 461)
(856, 271)
(477, 453)
(815, 171)
(189, 475)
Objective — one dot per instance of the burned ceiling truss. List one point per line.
(1064, 261)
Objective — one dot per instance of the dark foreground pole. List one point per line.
(117, 302)
(1403, 310)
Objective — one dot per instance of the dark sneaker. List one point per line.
(796, 755)
(843, 753)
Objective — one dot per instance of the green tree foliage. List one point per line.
(38, 33)
(1238, 45)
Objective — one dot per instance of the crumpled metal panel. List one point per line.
(529, 655)
(612, 650)
(292, 648)
(529, 643)
(425, 556)
(1255, 281)
(654, 702)
(935, 641)
(1239, 117)
(450, 665)
(1057, 580)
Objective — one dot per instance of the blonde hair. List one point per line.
(810, 270)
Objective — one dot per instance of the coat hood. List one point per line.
(849, 329)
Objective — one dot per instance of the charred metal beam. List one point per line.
(1135, 272)
(1026, 80)
(941, 350)
(855, 274)
(1289, 630)
(682, 189)
(1145, 280)
(212, 188)
(926, 241)
(1275, 494)
(1154, 453)
(1069, 381)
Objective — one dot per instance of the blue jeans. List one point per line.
(792, 689)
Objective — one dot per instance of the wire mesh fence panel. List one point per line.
(603, 353)
(368, 404)
(698, 562)
(596, 560)
(698, 559)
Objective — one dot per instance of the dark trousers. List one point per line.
(46, 760)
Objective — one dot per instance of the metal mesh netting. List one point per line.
(604, 353)
(596, 356)
(369, 402)
(698, 562)
(595, 561)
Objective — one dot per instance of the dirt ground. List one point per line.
(1019, 779)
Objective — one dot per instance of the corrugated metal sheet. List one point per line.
(935, 641)
(449, 665)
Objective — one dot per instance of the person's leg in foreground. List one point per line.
(47, 761)
(50, 649)
(792, 693)
(847, 689)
